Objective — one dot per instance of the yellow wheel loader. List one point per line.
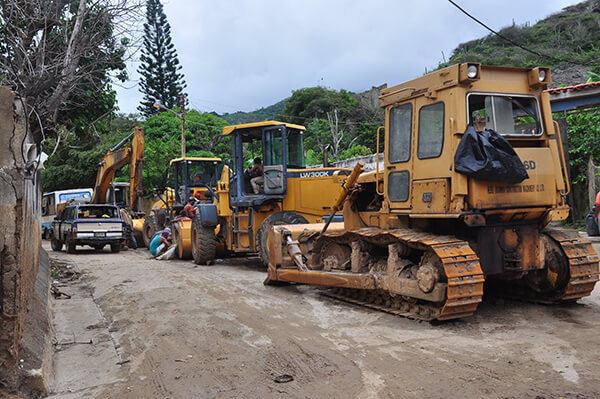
(237, 218)
(474, 173)
(186, 177)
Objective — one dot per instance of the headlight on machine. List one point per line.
(472, 71)
(539, 76)
(469, 72)
(542, 75)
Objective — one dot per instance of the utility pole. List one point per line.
(182, 99)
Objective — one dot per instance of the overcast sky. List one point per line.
(242, 55)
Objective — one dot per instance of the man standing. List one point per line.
(129, 237)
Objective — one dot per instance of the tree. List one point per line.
(59, 56)
(160, 76)
(337, 119)
(203, 136)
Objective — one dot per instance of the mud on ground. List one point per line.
(135, 327)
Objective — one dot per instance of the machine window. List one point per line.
(399, 186)
(431, 131)
(273, 145)
(295, 144)
(400, 132)
(68, 214)
(505, 114)
(203, 173)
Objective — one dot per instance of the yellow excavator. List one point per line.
(473, 175)
(130, 151)
(236, 217)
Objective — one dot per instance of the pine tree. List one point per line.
(160, 76)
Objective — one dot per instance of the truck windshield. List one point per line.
(96, 212)
(509, 115)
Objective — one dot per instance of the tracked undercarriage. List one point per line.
(421, 275)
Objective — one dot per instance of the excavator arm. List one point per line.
(114, 160)
(135, 170)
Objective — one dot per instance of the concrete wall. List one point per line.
(369, 161)
(20, 240)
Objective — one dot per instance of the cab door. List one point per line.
(275, 160)
(398, 149)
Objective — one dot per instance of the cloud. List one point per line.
(243, 55)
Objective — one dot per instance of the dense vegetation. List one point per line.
(260, 114)
(563, 39)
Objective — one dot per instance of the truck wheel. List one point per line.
(285, 217)
(115, 248)
(70, 246)
(591, 226)
(150, 227)
(56, 244)
(204, 243)
(98, 248)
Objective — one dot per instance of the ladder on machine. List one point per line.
(240, 232)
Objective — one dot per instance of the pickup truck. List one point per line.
(88, 224)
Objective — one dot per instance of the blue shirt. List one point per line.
(154, 244)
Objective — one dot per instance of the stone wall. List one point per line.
(20, 241)
(369, 161)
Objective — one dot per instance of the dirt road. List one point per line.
(167, 329)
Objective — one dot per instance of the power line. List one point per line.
(512, 41)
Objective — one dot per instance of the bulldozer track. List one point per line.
(583, 263)
(465, 278)
(583, 272)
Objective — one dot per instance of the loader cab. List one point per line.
(278, 145)
(190, 175)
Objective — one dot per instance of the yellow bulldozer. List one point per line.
(473, 174)
(235, 217)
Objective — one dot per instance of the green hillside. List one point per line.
(567, 39)
(254, 116)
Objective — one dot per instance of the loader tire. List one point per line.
(285, 217)
(204, 243)
(151, 226)
(591, 226)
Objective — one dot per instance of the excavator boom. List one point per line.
(135, 170)
(115, 159)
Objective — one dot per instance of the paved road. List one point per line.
(167, 329)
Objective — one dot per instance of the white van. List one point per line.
(52, 199)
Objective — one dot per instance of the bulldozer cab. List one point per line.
(276, 146)
(426, 119)
(190, 175)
